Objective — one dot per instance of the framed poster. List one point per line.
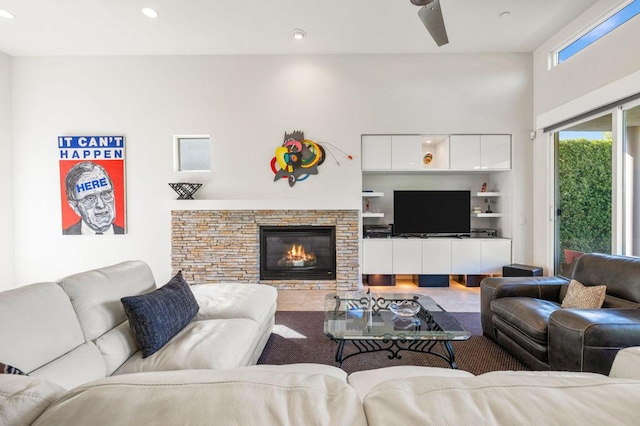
(92, 185)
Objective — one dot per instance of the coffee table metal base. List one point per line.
(394, 347)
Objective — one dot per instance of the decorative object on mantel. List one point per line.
(299, 157)
(185, 190)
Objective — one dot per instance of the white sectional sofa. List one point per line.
(301, 394)
(75, 330)
(84, 367)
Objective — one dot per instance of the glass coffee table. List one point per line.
(367, 321)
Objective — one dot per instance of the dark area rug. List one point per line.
(298, 337)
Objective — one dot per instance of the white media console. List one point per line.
(439, 256)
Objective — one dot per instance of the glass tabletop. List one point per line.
(367, 316)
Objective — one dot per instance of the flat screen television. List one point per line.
(431, 213)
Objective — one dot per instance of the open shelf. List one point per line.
(372, 194)
(488, 194)
(369, 214)
(486, 214)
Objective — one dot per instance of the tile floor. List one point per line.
(455, 298)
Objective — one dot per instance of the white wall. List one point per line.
(6, 176)
(245, 103)
(604, 72)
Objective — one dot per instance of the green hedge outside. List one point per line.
(584, 168)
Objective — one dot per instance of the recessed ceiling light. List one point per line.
(6, 15)
(504, 14)
(149, 13)
(298, 34)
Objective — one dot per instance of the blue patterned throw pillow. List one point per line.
(158, 316)
(7, 369)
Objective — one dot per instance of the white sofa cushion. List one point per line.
(211, 344)
(236, 397)
(116, 346)
(96, 294)
(304, 368)
(24, 398)
(576, 374)
(235, 300)
(626, 364)
(38, 325)
(81, 365)
(364, 381)
(504, 399)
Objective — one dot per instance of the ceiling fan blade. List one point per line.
(431, 17)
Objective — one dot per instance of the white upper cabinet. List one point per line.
(480, 152)
(495, 152)
(465, 152)
(376, 152)
(406, 152)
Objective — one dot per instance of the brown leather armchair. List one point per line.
(523, 315)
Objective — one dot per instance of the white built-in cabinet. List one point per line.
(466, 256)
(494, 255)
(406, 152)
(407, 255)
(455, 161)
(480, 152)
(437, 256)
(449, 152)
(377, 256)
(376, 152)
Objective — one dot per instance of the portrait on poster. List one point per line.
(92, 184)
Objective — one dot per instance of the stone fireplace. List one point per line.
(212, 246)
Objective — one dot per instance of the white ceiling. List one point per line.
(203, 27)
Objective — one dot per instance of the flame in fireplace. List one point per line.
(297, 253)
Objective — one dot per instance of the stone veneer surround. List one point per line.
(211, 246)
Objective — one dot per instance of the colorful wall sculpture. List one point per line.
(297, 158)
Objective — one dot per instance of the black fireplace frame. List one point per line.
(301, 274)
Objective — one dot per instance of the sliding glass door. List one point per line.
(597, 184)
(583, 195)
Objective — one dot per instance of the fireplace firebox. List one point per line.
(297, 253)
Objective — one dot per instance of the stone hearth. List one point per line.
(212, 246)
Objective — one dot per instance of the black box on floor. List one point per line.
(517, 270)
(474, 280)
(433, 280)
(378, 280)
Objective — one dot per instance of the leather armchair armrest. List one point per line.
(547, 288)
(589, 339)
